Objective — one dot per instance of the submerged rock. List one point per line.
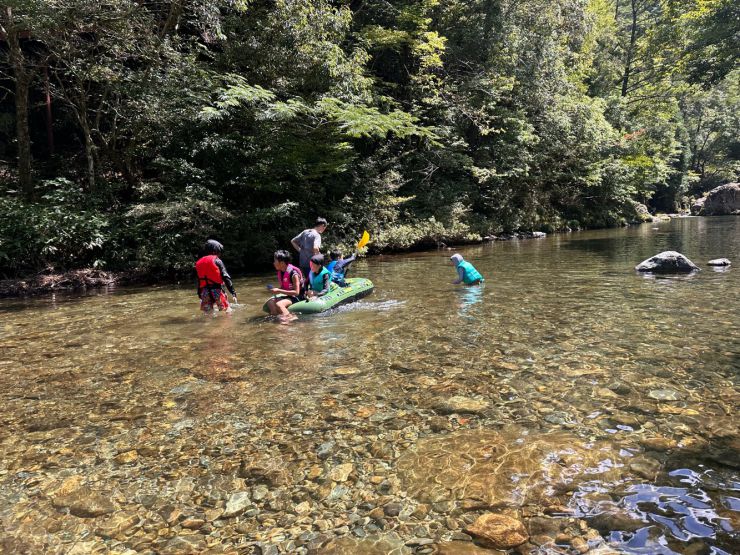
(668, 262)
(498, 531)
(388, 544)
(341, 472)
(463, 548)
(84, 503)
(665, 395)
(237, 504)
(645, 467)
(459, 404)
(474, 467)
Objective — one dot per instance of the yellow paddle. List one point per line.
(364, 240)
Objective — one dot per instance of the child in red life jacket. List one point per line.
(290, 284)
(212, 276)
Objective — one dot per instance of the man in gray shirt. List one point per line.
(308, 243)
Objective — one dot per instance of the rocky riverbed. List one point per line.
(589, 412)
(213, 466)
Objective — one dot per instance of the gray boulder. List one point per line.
(719, 262)
(722, 201)
(668, 262)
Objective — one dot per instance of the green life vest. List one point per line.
(317, 281)
(471, 275)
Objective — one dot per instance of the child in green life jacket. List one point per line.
(466, 272)
(319, 278)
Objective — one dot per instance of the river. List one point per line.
(594, 405)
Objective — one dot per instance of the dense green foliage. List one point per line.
(153, 125)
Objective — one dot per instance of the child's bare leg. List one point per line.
(272, 307)
(283, 305)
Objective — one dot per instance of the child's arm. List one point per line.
(226, 277)
(460, 276)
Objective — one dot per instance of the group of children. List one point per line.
(293, 287)
(294, 284)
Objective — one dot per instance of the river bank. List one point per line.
(86, 279)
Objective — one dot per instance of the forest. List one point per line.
(132, 130)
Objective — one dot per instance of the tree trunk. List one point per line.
(173, 18)
(22, 85)
(49, 121)
(89, 144)
(630, 51)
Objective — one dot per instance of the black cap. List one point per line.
(214, 247)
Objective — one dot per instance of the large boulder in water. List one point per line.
(668, 262)
(722, 200)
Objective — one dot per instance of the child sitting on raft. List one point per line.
(338, 266)
(290, 280)
(319, 279)
(466, 272)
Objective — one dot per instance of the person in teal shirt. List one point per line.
(319, 278)
(466, 272)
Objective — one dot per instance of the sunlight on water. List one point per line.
(566, 385)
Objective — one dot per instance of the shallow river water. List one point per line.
(596, 406)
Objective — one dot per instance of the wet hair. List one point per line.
(282, 256)
(335, 254)
(213, 247)
(320, 221)
(318, 259)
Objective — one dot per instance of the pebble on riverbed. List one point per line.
(498, 531)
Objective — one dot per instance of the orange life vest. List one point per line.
(208, 272)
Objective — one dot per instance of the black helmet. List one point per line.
(213, 247)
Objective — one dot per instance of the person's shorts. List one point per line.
(210, 297)
(293, 300)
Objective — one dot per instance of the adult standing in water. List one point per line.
(308, 244)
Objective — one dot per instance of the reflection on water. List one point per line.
(568, 387)
(469, 297)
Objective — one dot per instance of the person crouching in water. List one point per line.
(466, 272)
(319, 279)
(290, 284)
(212, 276)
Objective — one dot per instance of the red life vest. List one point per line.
(285, 279)
(208, 272)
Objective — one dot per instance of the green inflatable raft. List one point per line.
(355, 289)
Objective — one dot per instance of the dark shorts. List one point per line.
(293, 300)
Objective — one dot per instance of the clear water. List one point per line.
(563, 336)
